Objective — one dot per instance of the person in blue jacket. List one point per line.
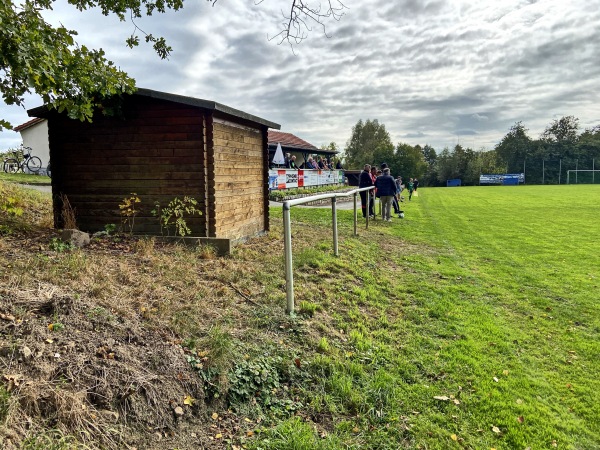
(386, 189)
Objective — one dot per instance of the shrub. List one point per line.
(173, 215)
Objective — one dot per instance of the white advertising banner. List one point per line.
(289, 178)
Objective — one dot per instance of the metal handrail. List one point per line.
(287, 233)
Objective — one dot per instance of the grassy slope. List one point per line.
(507, 291)
(484, 297)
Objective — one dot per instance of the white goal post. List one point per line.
(576, 171)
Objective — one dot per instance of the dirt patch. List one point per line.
(88, 372)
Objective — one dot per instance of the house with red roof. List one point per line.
(34, 134)
(294, 146)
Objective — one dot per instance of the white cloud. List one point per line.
(430, 71)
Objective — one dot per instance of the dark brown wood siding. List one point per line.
(156, 150)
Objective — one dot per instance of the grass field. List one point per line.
(489, 299)
(474, 323)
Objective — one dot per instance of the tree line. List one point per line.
(546, 160)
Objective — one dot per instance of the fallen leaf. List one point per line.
(51, 327)
(453, 437)
(442, 398)
(496, 379)
(8, 317)
(189, 400)
(247, 420)
(496, 429)
(218, 436)
(215, 416)
(355, 430)
(250, 433)
(456, 401)
(297, 362)
(520, 419)
(505, 372)
(554, 443)
(519, 401)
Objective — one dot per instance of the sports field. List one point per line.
(474, 323)
(483, 307)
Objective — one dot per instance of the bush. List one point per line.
(280, 196)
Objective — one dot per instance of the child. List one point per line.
(411, 188)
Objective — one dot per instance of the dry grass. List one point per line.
(68, 213)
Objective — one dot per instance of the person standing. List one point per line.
(364, 181)
(386, 189)
(416, 184)
(411, 188)
(373, 192)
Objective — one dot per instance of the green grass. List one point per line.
(485, 297)
(24, 178)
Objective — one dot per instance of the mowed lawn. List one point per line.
(472, 323)
(523, 294)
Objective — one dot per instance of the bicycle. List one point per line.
(32, 163)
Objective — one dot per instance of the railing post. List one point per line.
(287, 245)
(335, 230)
(355, 215)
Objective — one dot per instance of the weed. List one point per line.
(323, 345)
(256, 378)
(110, 228)
(144, 246)
(10, 207)
(56, 326)
(173, 215)
(128, 209)
(4, 404)
(308, 308)
(60, 246)
(206, 252)
(51, 440)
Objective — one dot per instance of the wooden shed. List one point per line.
(163, 146)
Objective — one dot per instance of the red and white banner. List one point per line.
(289, 178)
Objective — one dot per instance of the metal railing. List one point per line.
(287, 233)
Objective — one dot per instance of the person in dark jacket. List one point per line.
(364, 181)
(386, 189)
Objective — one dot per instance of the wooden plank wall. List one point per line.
(156, 151)
(239, 175)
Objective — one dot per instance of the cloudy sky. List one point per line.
(434, 72)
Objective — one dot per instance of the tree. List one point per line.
(430, 157)
(410, 161)
(297, 23)
(562, 130)
(514, 148)
(36, 57)
(370, 143)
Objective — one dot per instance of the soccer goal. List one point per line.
(581, 176)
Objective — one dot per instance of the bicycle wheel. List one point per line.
(11, 165)
(34, 164)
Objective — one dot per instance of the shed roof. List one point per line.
(41, 111)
